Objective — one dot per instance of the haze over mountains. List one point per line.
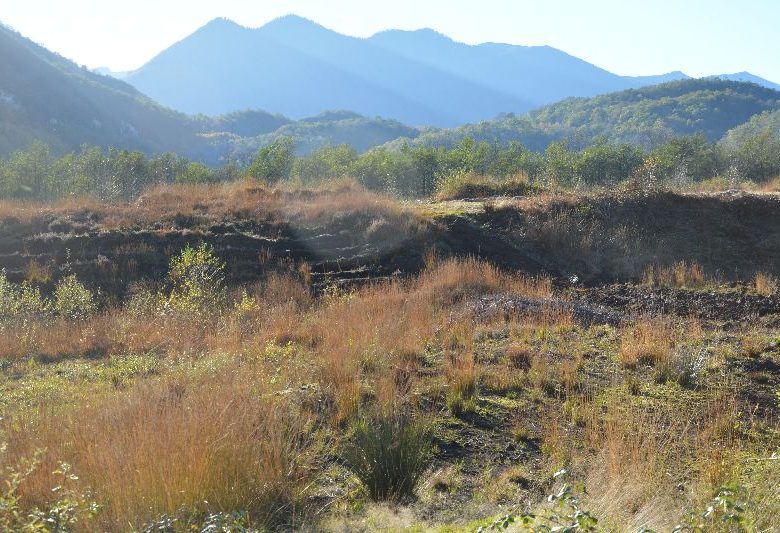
(298, 68)
(253, 81)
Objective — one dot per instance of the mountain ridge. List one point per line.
(419, 77)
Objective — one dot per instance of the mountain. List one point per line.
(298, 68)
(331, 128)
(538, 74)
(767, 123)
(295, 67)
(45, 97)
(646, 116)
(748, 77)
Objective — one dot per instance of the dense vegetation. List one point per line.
(46, 98)
(645, 117)
(411, 171)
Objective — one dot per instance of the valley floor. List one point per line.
(538, 377)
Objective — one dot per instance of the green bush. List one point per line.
(72, 300)
(197, 278)
(20, 302)
(389, 454)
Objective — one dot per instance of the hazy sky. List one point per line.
(633, 37)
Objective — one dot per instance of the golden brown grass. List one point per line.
(682, 274)
(648, 342)
(765, 284)
(224, 428)
(202, 204)
(212, 445)
(472, 185)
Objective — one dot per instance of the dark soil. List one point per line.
(726, 305)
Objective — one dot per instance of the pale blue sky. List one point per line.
(631, 37)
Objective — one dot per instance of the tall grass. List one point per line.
(682, 274)
(201, 446)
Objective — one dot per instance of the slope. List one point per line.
(646, 116)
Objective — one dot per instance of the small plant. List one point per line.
(197, 279)
(565, 514)
(72, 300)
(389, 454)
(462, 391)
(765, 284)
(20, 302)
(725, 512)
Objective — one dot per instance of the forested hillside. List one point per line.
(645, 117)
(44, 97)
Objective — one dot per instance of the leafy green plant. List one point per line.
(70, 511)
(20, 302)
(197, 278)
(389, 454)
(234, 522)
(72, 300)
(725, 512)
(564, 516)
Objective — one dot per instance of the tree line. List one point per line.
(408, 171)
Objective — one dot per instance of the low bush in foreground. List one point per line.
(389, 454)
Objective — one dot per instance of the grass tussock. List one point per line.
(682, 275)
(463, 382)
(648, 342)
(764, 284)
(389, 455)
(461, 186)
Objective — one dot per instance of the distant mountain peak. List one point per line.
(427, 33)
(291, 22)
(222, 23)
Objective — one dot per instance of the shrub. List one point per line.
(20, 302)
(197, 280)
(72, 300)
(389, 454)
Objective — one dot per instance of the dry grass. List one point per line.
(248, 396)
(213, 445)
(765, 284)
(202, 204)
(223, 436)
(471, 185)
(462, 383)
(682, 274)
(648, 342)
(628, 476)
